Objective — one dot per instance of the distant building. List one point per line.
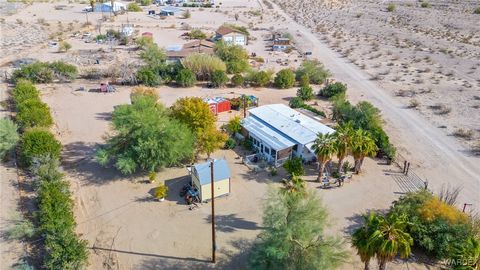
(279, 132)
(281, 44)
(171, 11)
(177, 53)
(107, 7)
(231, 36)
(202, 178)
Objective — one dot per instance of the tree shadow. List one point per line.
(79, 158)
(106, 116)
(232, 223)
(228, 259)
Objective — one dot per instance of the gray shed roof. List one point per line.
(265, 133)
(295, 125)
(220, 171)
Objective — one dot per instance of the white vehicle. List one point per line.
(87, 9)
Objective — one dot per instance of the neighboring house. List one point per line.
(171, 11)
(177, 53)
(202, 177)
(279, 132)
(281, 44)
(231, 36)
(107, 7)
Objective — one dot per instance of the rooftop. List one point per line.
(171, 9)
(224, 30)
(263, 132)
(297, 126)
(220, 171)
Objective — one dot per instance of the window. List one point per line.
(273, 153)
(267, 150)
(295, 147)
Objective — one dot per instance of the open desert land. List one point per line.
(419, 66)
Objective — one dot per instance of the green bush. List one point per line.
(305, 93)
(294, 167)
(64, 46)
(477, 11)
(152, 55)
(425, 5)
(315, 71)
(197, 34)
(64, 71)
(313, 110)
(237, 80)
(304, 80)
(296, 102)
(148, 77)
(247, 144)
(33, 113)
(37, 143)
(219, 78)
(230, 143)
(186, 78)
(259, 78)
(284, 79)
(333, 89)
(134, 7)
(24, 90)
(37, 72)
(234, 56)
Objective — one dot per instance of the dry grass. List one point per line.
(466, 134)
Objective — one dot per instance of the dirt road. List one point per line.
(435, 157)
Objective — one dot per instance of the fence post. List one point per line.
(404, 166)
(408, 167)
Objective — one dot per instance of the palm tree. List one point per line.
(294, 185)
(324, 148)
(362, 146)
(390, 238)
(360, 238)
(343, 141)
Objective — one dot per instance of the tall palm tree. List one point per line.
(360, 238)
(324, 148)
(343, 142)
(362, 146)
(390, 239)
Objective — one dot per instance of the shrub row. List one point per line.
(31, 111)
(297, 102)
(43, 72)
(40, 151)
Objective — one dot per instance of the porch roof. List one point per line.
(266, 134)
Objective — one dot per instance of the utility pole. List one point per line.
(212, 185)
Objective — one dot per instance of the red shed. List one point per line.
(223, 106)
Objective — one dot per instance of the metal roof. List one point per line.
(295, 125)
(171, 9)
(265, 133)
(220, 171)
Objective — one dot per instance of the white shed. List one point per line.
(107, 7)
(201, 178)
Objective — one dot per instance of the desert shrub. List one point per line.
(8, 136)
(145, 2)
(425, 5)
(219, 78)
(152, 55)
(285, 78)
(148, 77)
(33, 113)
(187, 14)
(186, 78)
(24, 90)
(36, 143)
(477, 10)
(391, 7)
(247, 144)
(305, 93)
(144, 42)
(63, 70)
(21, 228)
(313, 110)
(234, 56)
(259, 78)
(37, 72)
(203, 65)
(333, 90)
(64, 46)
(144, 91)
(134, 7)
(197, 34)
(296, 102)
(304, 80)
(230, 143)
(434, 208)
(315, 71)
(237, 80)
(466, 134)
(294, 166)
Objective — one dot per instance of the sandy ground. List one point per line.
(130, 231)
